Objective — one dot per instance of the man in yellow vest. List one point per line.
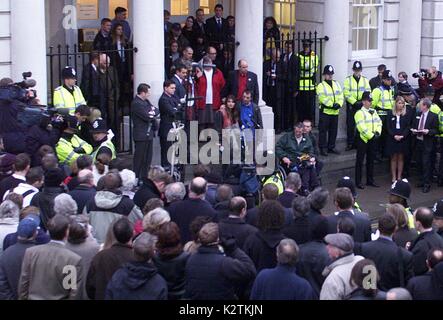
(331, 99)
(68, 97)
(383, 101)
(369, 128)
(70, 146)
(353, 89)
(305, 93)
(103, 139)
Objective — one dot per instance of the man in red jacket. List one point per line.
(435, 80)
(209, 85)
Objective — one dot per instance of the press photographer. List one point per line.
(431, 78)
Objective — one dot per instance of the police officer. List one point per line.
(383, 101)
(70, 146)
(353, 89)
(369, 128)
(103, 138)
(400, 193)
(438, 217)
(308, 66)
(68, 96)
(347, 182)
(330, 97)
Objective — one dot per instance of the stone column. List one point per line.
(28, 43)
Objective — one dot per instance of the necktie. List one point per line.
(421, 125)
(219, 25)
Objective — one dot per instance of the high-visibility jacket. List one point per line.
(66, 149)
(411, 223)
(440, 124)
(367, 124)
(383, 100)
(308, 69)
(106, 144)
(353, 91)
(276, 180)
(328, 96)
(63, 99)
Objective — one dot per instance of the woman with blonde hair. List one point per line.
(403, 235)
(398, 136)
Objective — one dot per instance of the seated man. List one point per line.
(295, 152)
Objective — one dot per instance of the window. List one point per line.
(284, 14)
(179, 7)
(367, 24)
(208, 5)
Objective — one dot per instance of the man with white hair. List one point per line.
(64, 205)
(175, 192)
(85, 191)
(9, 213)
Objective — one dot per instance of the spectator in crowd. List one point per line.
(152, 188)
(139, 279)
(234, 226)
(404, 88)
(174, 192)
(6, 164)
(9, 219)
(429, 285)
(241, 80)
(129, 182)
(398, 294)
(41, 134)
(176, 34)
(427, 239)
(81, 242)
(347, 182)
(11, 260)
(188, 30)
(273, 84)
(227, 117)
(260, 246)
(230, 33)
(223, 197)
(150, 205)
(85, 191)
(393, 263)
(347, 225)
(317, 201)
(227, 62)
(299, 229)
(365, 290)
(337, 285)
(43, 272)
(64, 205)
(82, 163)
(109, 205)
(313, 256)
(194, 228)
(167, 25)
(438, 217)
(90, 83)
(121, 59)
(224, 272)
(282, 282)
(172, 55)
(344, 201)
(292, 186)
(184, 212)
(103, 39)
(110, 91)
(108, 261)
(121, 14)
(28, 189)
(200, 25)
(271, 37)
(170, 259)
(216, 28)
(22, 164)
(403, 235)
(307, 131)
(432, 79)
(154, 219)
(101, 167)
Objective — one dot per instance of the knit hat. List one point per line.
(6, 163)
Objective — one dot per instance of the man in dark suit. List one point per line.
(394, 264)
(216, 28)
(425, 128)
(167, 25)
(143, 119)
(179, 79)
(291, 73)
(241, 80)
(344, 202)
(169, 112)
(103, 39)
(292, 186)
(90, 84)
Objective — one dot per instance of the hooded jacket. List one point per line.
(260, 247)
(108, 206)
(137, 281)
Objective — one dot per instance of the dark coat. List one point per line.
(144, 123)
(90, 85)
(146, 192)
(173, 271)
(252, 217)
(12, 238)
(82, 195)
(215, 35)
(184, 212)
(103, 267)
(102, 43)
(10, 269)
(210, 275)
(288, 147)
(313, 258)
(169, 111)
(7, 184)
(279, 81)
(433, 127)
(286, 199)
(251, 85)
(44, 200)
(428, 286)
(299, 230)
(281, 283)
(386, 255)
(404, 235)
(38, 137)
(420, 248)
(260, 247)
(362, 225)
(180, 91)
(137, 281)
(237, 228)
(358, 294)
(222, 209)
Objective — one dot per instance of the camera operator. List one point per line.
(144, 116)
(170, 111)
(68, 96)
(431, 78)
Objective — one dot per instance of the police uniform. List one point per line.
(353, 89)
(105, 145)
(68, 98)
(347, 182)
(308, 66)
(383, 101)
(330, 97)
(70, 146)
(369, 128)
(438, 215)
(402, 189)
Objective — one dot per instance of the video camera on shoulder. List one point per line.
(422, 74)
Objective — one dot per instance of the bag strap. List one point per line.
(27, 193)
